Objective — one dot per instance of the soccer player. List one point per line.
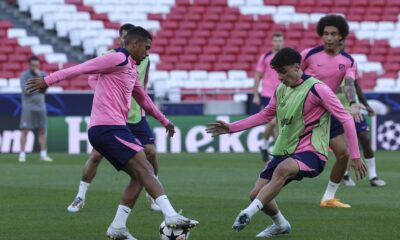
(302, 106)
(331, 65)
(270, 81)
(137, 123)
(363, 137)
(118, 80)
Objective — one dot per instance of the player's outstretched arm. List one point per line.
(217, 128)
(264, 116)
(36, 84)
(102, 64)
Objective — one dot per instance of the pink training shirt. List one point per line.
(320, 100)
(270, 80)
(117, 82)
(329, 69)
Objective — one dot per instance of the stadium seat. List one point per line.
(3, 83)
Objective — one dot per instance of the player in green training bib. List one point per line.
(302, 106)
(139, 126)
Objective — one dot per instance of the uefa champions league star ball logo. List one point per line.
(389, 135)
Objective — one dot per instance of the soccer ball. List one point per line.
(389, 135)
(167, 233)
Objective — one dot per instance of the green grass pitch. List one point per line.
(211, 188)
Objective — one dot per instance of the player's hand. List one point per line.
(256, 99)
(170, 129)
(359, 168)
(36, 84)
(355, 110)
(370, 111)
(217, 128)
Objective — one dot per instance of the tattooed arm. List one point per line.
(350, 93)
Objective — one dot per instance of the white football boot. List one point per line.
(119, 234)
(76, 205)
(273, 230)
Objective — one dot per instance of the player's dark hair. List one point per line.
(33, 58)
(277, 34)
(137, 33)
(126, 27)
(285, 57)
(335, 21)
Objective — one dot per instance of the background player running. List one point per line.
(269, 81)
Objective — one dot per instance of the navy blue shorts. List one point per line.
(336, 128)
(116, 143)
(264, 101)
(142, 131)
(362, 126)
(309, 163)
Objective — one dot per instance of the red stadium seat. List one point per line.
(211, 17)
(184, 66)
(219, 41)
(212, 50)
(170, 59)
(202, 33)
(6, 50)
(222, 66)
(203, 66)
(165, 66)
(193, 49)
(18, 58)
(188, 25)
(178, 41)
(230, 58)
(11, 66)
(207, 58)
(198, 41)
(189, 58)
(5, 24)
(8, 74)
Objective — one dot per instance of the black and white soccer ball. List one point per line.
(389, 135)
(167, 233)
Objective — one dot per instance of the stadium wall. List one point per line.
(68, 120)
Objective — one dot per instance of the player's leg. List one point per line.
(151, 154)
(128, 199)
(40, 122)
(22, 154)
(42, 137)
(25, 125)
(89, 172)
(271, 209)
(267, 132)
(140, 167)
(339, 148)
(143, 132)
(365, 142)
(282, 171)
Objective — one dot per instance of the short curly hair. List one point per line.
(285, 57)
(336, 21)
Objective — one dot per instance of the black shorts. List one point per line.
(115, 142)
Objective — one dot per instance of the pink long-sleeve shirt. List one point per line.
(320, 100)
(329, 69)
(270, 79)
(118, 80)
